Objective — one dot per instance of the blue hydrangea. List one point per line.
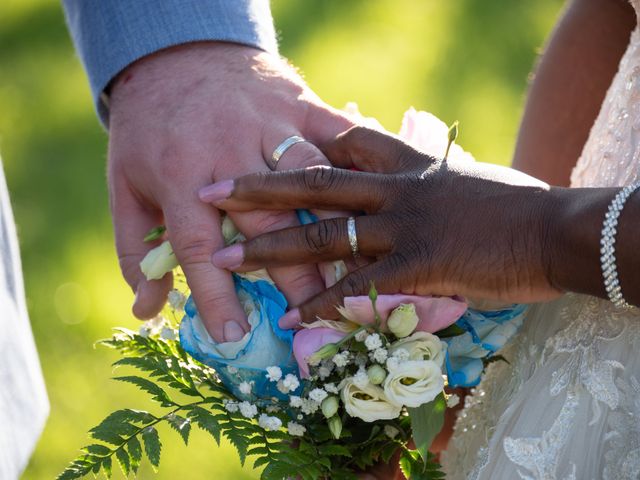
(247, 360)
(486, 332)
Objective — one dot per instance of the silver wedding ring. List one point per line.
(282, 148)
(353, 236)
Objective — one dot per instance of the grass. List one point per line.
(466, 60)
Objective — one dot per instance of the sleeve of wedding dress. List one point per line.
(111, 34)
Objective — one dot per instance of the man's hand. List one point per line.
(182, 118)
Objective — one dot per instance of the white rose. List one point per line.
(422, 346)
(414, 383)
(368, 403)
(159, 261)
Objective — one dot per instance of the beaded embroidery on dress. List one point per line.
(568, 404)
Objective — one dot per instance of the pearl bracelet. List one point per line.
(608, 250)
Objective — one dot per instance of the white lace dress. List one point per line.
(568, 405)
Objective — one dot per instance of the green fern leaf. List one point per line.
(181, 425)
(123, 460)
(157, 393)
(152, 445)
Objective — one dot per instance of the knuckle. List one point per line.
(321, 238)
(319, 179)
(213, 301)
(359, 134)
(354, 284)
(193, 248)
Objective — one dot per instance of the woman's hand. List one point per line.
(434, 227)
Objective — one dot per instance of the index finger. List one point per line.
(314, 187)
(195, 233)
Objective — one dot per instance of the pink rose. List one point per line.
(435, 313)
(308, 341)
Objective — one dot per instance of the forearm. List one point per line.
(570, 84)
(573, 241)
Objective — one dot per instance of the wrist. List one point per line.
(572, 244)
(185, 63)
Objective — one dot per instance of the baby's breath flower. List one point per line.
(361, 379)
(273, 409)
(168, 333)
(274, 373)
(379, 355)
(361, 336)
(309, 407)
(144, 331)
(402, 354)
(295, 429)
(245, 388)
(392, 363)
(288, 383)
(231, 407)
(248, 410)
(269, 423)
(360, 360)
(373, 341)
(176, 299)
(317, 395)
(341, 359)
(324, 372)
(331, 387)
(295, 401)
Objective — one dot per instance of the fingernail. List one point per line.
(290, 320)
(216, 192)
(233, 332)
(229, 258)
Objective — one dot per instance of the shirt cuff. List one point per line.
(109, 35)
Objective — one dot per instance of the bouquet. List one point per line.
(324, 402)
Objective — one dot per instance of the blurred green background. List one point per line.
(460, 59)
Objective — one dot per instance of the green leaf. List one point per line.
(116, 426)
(388, 451)
(206, 421)
(452, 330)
(426, 422)
(157, 393)
(334, 450)
(277, 471)
(152, 445)
(97, 449)
(106, 466)
(155, 233)
(135, 452)
(123, 460)
(181, 425)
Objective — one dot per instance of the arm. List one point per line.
(569, 87)
(513, 238)
(183, 110)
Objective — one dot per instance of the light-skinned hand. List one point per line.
(183, 118)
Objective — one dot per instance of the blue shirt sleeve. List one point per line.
(111, 34)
